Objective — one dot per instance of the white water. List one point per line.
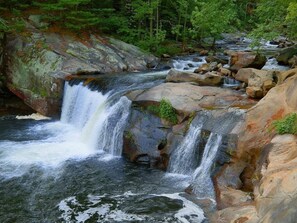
(202, 183)
(73, 211)
(88, 126)
(102, 126)
(188, 65)
(183, 160)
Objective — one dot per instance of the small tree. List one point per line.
(211, 18)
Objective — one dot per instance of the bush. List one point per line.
(165, 111)
(286, 125)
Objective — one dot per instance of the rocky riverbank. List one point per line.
(35, 63)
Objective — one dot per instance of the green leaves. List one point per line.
(165, 111)
(287, 125)
(211, 18)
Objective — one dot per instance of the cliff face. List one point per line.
(38, 62)
(262, 169)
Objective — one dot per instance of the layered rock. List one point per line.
(38, 62)
(240, 60)
(208, 79)
(187, 98)
(246, 170)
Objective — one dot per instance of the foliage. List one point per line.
(287, 125)
(149, 24)
(274, 18)
(165, 111)
(211, 18)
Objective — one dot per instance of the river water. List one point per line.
(71, 170)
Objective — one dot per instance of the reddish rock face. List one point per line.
(245, 171)
(240, 60)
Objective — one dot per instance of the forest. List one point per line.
(157, 25)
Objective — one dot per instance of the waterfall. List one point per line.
(101, 124)
(184, 159)
(202, 183)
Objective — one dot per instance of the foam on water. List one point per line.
(106, 208)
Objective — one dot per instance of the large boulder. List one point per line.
(241, 173)
(240, 60)
(285, 55)
(188, 98)
(144, 138)
(208, 79)
(276, 194)
(38, 62)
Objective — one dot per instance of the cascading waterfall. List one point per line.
(202, 183)
(102, 126)
(184, 160)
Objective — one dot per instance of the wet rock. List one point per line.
(286, 54)
(218, 59)
(197, 59)
(240, 60)
(253, 136)
(224, 71)
(38, 63)
(207, 67)
(208, 79)
(144, 137)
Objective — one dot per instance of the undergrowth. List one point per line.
(286, 125)
(165, 111)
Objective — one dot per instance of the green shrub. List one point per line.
(286, 125)
(167, 112)
(164, 111)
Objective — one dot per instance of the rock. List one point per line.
(218, 59)
(38, 63)
(282, 76)
(240, 60)
(36, 21)
(240, 214)
(203, 52)
(259, 81)
(293, 62)
(286, 54)
(207, 67)
(165, 56)
(145, 136)
(224, 71)
(197, 59)
(188, 98)
(208, 79)
(276, 194)
(244, 74)
(246, 165)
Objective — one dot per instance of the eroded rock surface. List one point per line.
(263, 169)
(187, 98)
(38, 62)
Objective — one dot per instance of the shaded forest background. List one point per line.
(157, 25)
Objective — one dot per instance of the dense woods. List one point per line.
(148, 23)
